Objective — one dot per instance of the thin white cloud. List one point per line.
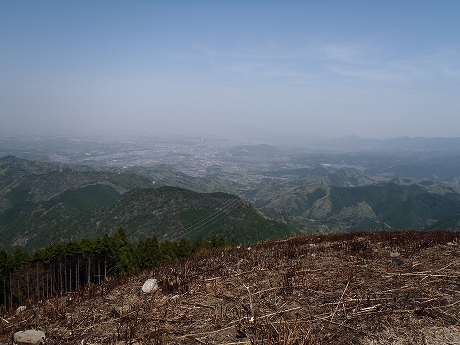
(370, 62)
(349, 53)
(370, 74)
(448, 62)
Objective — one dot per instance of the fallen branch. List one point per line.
(341, 297)
(250, 302)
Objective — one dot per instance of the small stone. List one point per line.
(20, 309)
(30, 336)
(150, 285)
(394, 254)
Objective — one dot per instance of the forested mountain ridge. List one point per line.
(169, 213)
(172, 213)
(31, 181)
(44, 203)
(165, 175)
(392, 205)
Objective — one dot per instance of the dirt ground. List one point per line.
(379, 288)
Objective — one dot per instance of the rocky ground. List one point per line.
(381, 288)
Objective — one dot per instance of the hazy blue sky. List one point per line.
(310, 68)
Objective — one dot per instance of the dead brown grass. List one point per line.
(381, 288)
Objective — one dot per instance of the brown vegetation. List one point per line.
(380, 288)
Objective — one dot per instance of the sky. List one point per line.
(326, 69)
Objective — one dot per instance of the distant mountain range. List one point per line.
(415, 144)
(42, 203)
(31, 181)
(400, 204)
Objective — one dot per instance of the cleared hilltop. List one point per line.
(380, 288)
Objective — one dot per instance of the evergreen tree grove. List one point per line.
(65, 267)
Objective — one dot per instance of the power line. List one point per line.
(215, 215)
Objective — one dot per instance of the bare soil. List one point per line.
(379, 288)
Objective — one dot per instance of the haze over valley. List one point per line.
(69, 187)
(230, 172)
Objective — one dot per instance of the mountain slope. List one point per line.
(170, 213)
(43, 203)
(29, 181)
(164, 175)
(387, 205)
(41, 223)
(379, 288)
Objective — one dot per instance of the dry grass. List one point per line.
(337, 289)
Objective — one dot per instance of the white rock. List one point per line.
(30, 336)
(20, 309)
(150, 285)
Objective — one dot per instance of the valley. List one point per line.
(73, 186)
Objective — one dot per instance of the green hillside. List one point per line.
(23, 180)
(164, 175)
(171, 213)
(43, 203)
(59, 218)
(366, 208)
(293, 182)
